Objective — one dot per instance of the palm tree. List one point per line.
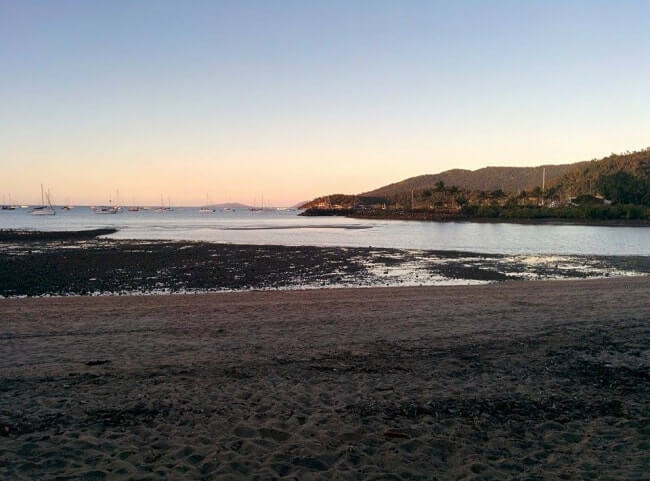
(498, 194)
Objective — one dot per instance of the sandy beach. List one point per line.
(517, 380)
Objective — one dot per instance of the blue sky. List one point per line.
(298, 99)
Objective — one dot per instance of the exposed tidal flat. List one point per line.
(58, 263)
(516, 380)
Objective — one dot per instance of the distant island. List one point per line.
(614, 189)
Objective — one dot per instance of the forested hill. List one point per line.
(508, 179)
(631, 170)
(614, 187)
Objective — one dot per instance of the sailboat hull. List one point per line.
(44, 211)
(106, 210)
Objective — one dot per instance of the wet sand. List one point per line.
(36, 266)
(517, 380)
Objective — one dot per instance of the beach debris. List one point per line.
(97, 362)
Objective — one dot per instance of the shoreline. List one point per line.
(317, 289)
(519, 379)
(488, 220)
(509, 285)
(432, 216)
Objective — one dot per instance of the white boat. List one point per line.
(207, 209)
(10, 206)
(44, 209)
(106, 209)
(162, 208)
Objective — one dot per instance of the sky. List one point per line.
(292, 99)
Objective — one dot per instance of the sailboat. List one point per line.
(106, 209)
(44, 209)
(162, 207)
(133, 207)
(256, 208)
(206, 209)
(9, 206)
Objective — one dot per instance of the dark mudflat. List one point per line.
(33, 267)
(11, 235)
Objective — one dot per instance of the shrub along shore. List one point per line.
(625, 215)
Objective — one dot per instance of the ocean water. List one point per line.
(287, 228)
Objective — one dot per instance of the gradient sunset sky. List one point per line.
(295, 99)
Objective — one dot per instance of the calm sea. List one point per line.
(287, 228)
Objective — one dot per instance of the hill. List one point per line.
(508, 179)
(631, 170)
(621, 179)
